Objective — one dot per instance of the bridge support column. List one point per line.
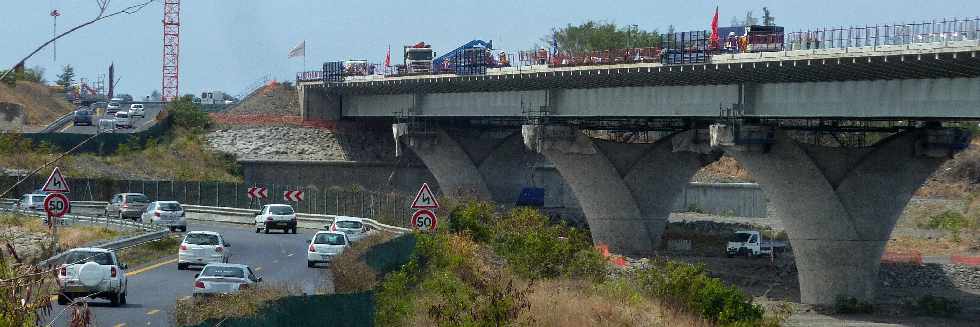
(454, 170)
(626, 191)
(840, 205)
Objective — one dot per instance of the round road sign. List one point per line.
(56, 204)
(424, 220)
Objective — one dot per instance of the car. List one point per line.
(112, 107)
(123, 119)
(30, 203)
(136, 109)
(202, 248)
(94, 273)
(325, 246)
(224, 278)
(127, 205)
(276, 216)
(83, 117)
(352, 226)
(166, 213)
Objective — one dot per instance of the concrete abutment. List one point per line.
(839, 205)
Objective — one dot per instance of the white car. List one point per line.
(92, 272)
(276, 216)
(224, 278)
(202, 248)
(30, 203)
(124, 120)
(166, 213)
(112, 107)
(136, 109)
(352, 226)
(325, 246)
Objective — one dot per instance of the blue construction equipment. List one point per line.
(471, 58)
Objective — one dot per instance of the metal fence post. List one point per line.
(217, 193)
(200, 197)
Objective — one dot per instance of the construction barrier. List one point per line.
(913, 257)
(965, 260)
(615, 259)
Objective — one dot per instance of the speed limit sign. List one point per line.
(424, 220)
(56, 204)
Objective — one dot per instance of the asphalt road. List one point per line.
(154, 289)
(142, 123)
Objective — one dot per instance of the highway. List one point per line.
(141, 124)
(155, 288)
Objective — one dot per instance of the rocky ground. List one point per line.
(272, 99)
(300, 143)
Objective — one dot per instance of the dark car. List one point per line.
(83, 117)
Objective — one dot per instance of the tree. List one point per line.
(767, 18)
(592, 36)
(67, 76)
(187, 114)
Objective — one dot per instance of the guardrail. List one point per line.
(59, 123)
(247, 216)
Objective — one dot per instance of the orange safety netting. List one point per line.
(965, 260)
(908, 257)
(615, 259)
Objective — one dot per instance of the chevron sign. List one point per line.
(256, 192)
(294, 196)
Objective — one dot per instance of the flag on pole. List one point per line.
(554, 44)
(388, 57)
(715, 39)
(298, 51)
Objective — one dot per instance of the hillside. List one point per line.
(272, 99)
(42, 106)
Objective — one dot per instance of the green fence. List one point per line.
(355, 309)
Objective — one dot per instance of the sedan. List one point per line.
(83, 117)
(166, 213)
(202, 248)
(224, 278)
(325, 246)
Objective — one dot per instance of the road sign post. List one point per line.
(424, 199)
(55, 206)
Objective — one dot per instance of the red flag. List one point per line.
(714, 30)
(388, 57)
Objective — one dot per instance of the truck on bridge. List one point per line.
(417, 59)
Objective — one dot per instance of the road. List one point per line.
(154, 289)
(151, 110)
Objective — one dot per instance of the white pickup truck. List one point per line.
(751, 243)
(94, 273)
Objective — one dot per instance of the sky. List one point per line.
(230, 44)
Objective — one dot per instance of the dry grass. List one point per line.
(76, 236)
(350, 273)
(41, 105)
(725, 169)
(577, 303)
(150, 252)
(244, 304)
(969, 243)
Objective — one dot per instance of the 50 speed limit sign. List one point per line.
(56, 204)
(424, 220)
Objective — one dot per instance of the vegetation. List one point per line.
(67, 76)
(517, 269)
(188, 115)
(243, 304)
(149, 252)
(593, 36)
(40, 102)
(933, 306)
(350, 272)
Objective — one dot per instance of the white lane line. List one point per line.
(289, 255)
(152, 312)
(258, 268)
(120, 325)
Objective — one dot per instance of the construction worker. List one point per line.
(502, 59)
(542, 57)
(731, 44)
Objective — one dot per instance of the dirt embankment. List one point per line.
(41, 105)
(272, 99)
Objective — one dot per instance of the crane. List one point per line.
(171, 50)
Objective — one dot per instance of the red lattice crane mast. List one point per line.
(171, 49)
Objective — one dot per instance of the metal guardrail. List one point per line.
(59, 123)
(246, 216)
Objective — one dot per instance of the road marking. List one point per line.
(184, 298)
(120, 325)
(289, 255)
(67, 126)
(258, 268)
(155, 266)
(152, 312)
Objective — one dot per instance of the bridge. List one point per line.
(839, 137)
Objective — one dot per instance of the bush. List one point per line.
(933, 306)
(850, 305)
(691, 287)
(588, 264)
(472, 217)
(187, 114)
(350, 272)
(534, 248)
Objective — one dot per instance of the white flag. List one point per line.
(298, 51)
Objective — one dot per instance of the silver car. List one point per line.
(352, 226)
(224, 278)
(325, 246)
(92, 272)
(202, 248)
(165, 213)
(127, 205)
(30, 203)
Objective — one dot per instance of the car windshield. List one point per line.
(122, 116)
(216, 271)
(38, 198)
(740, 237)
(169, 206)
(113, 104)
(102, 258)
(201, 239)
(137, 198)
(329, 239)
(349, 224)
(83, 113)
(280, 210)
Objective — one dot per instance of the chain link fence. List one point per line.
(388, 208)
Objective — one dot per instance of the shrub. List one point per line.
(689, 286)
(351, 274)
(534, 248)
(395, 301)
(472, 217)
(934, 306)
(187, 114)
(588, 264)
(849, 305)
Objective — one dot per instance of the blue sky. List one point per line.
(227, 45)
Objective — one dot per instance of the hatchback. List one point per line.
(353, 227)
(166, 213)
(325, 246)
(202, 248)
(224, 278)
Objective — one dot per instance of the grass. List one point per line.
(612, 303)
(149, 252)
(41, 105)
(351, 274)
(246, 303)
(77, 236)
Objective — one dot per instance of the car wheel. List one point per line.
(122, 299)
(310, 264)
(62, 299)
(181, 266)
(257, 230)
(267, 230)
(114, 299)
